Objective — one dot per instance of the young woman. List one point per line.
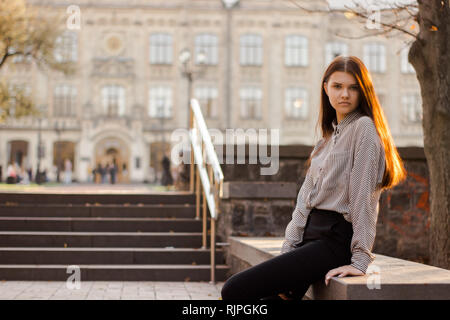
(333, 226)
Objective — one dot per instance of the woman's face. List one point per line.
(343, 92)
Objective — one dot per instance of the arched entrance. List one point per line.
(18, 152)
(63, 150)
(113, 150)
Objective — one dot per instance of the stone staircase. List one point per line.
(111, 237)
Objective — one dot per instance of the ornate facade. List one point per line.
(262, 66)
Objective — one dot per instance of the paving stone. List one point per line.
(23, 290)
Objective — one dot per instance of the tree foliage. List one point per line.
(27, 36)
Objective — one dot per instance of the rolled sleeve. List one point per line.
(364, 194)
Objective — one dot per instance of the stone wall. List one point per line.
(265, 213)
(256, 205)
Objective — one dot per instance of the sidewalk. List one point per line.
(110, 290)
(86, 188)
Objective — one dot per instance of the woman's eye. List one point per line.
(337, 86)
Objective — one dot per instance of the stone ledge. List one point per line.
(399, 279)
(259, 189)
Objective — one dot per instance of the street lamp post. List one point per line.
(160, 113)
(40, 149)
(58, 130)
(39, 154)
(188, 71)
(228, 5)
(161, 116)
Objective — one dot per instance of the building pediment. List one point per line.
(113, 67)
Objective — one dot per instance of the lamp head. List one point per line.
(185, 56)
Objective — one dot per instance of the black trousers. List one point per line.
(325, 246)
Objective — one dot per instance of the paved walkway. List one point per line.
(110, 290)
(87, 188)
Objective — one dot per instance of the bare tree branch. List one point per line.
(387, 25)
(358, 11)
(383, 32)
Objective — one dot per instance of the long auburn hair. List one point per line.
(369, 105)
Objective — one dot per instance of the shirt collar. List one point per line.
(355, 114)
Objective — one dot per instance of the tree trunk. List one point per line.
(430, 56)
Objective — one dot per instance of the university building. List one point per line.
(257, 64)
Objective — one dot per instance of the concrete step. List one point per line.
(101, 239)
(60, 198)
(100, 224)
(111, 237)
(112, 272)
(103, 210)
(113, 256)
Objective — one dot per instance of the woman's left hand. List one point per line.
(343, 271)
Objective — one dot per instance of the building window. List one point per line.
(296, 103)
(160, 102)
(66, 47)
(296, 51)
(20, 96)
(251, 98)
(113, 100)
(406, 67)
(208, 44)
(375, 57)
(20, 58)
(64, 100)
(334, 49)
(412, 107)
(161, 48)
(207, 98)
(251, 50)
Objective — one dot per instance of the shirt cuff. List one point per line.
(361, 261)
(286, 247)
(289, 245)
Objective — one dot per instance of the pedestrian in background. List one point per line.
(11, 176)
(67, 171)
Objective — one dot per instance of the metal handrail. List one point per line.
(209, 174)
